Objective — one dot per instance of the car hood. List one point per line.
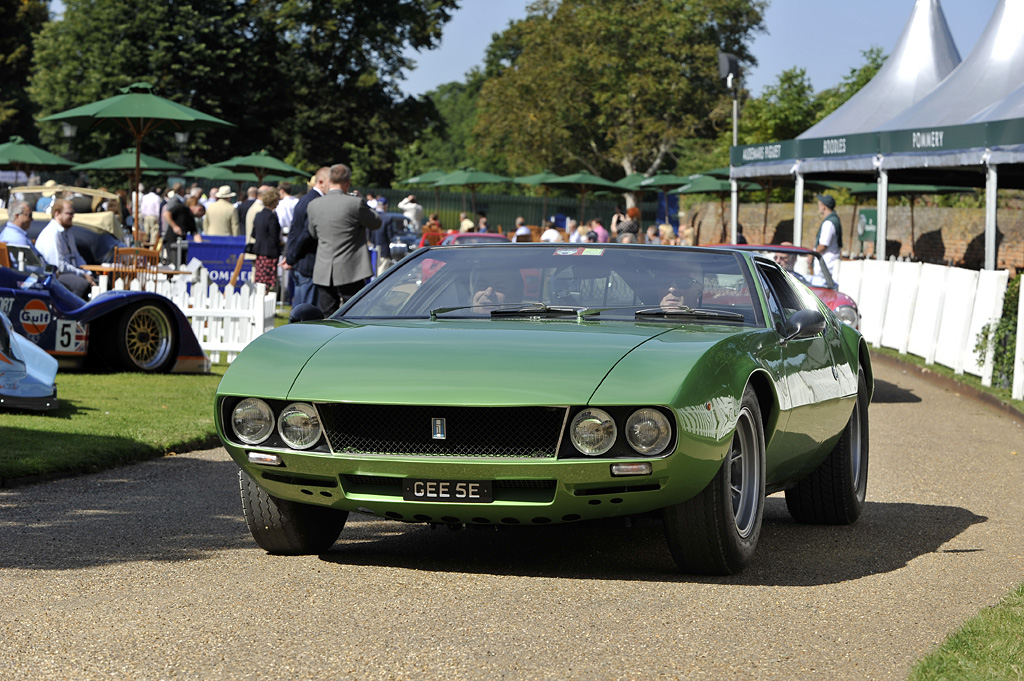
(456, 362)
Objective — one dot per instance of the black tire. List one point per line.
(285, 527)
(716, 532)
(146, 339)
(834, 493)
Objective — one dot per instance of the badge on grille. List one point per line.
(438, 429)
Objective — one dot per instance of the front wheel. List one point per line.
(285, 527)
(716, 531)
(147, 339)
(834, 493)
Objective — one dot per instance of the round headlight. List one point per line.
(848, 315)
(593, 432)
(252, 420)
(648, 431)
(299, 425)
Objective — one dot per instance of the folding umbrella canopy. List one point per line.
(261, 164)
(429, 177)
(220, 173)
(584, 182)
(19, 155)
(470, 178)
(539, 180)
(140, 112)
(126, 161)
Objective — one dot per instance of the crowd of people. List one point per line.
(311, 247)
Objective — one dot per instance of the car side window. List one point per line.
(778, 288)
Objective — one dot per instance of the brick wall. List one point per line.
(940, 235)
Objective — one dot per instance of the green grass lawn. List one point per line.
(989, 646)
(106, 420)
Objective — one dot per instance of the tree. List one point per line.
(831, 99)
(608, 86)
(20, 19)
(313, 81)
(784, 110)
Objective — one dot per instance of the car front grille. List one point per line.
(479, 432)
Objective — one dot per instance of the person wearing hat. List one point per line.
(221, 216)
(45, 202)
(829, 241)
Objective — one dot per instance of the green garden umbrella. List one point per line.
(126, 161)
(429, 177)
(262, 165)
(585, 182)
(705, 184)
(470, 178)
(20, 156)
(139, 112)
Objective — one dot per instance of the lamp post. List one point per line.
(729, 69)
(181, 137)
(69, 131)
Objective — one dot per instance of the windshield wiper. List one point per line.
(688, 312)
(540, 309)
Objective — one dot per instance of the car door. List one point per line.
(808, 379)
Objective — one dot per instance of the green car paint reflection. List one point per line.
(498, 368)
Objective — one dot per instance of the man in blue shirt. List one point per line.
(19, 217)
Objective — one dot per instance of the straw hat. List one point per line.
(49, 192)
(224, 192)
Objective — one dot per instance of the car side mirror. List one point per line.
(804, 324)
(305, 312)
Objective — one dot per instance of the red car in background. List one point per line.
(473, 238)
(795, 260)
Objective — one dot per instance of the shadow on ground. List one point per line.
(885, 539)
(889, 393)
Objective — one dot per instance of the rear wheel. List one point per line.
(285, 527)
(147, 339)
(834, 493)
(716, 531)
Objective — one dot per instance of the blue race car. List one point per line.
(27, 374)
(120, 330)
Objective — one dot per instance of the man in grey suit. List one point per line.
(338, 221)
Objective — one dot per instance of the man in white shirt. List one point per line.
(149, 215)
(285, 206)
(551, 235)
(57, 245)
(830, 239)
(413, 211)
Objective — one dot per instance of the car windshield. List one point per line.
(551, 281)
(802, 265)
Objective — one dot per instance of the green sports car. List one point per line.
(526, 384)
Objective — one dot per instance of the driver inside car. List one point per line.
(684, 288)
(494, 289)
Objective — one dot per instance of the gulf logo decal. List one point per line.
(35, 317)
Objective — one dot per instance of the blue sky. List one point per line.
(825, 37)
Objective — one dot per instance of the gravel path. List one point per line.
(148, 572)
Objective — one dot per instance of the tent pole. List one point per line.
(798, 211)
(883, 210)
(991, 199)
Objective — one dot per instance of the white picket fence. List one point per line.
(223, 320)
(932, 311)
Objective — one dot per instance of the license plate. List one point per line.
(459, 491)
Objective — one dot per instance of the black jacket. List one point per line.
(266, 233)
(300, 251)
